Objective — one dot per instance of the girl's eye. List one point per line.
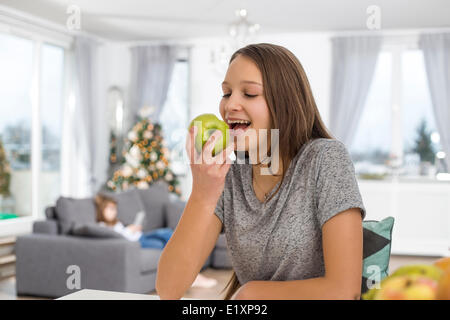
(246, 94)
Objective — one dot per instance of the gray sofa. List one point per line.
(43, 258)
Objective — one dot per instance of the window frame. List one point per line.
(21, 25)
(396, 45)
(184, 56)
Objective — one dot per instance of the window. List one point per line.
(16, 65)
(51, 107)
(34, 170)
(397, 117)
(174, 116)
(52, 63)
(417, 111)
(370, 151)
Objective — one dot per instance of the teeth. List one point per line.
(238, 121)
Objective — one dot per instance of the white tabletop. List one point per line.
(89, 294)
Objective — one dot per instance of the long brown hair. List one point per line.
(291, 105)
(101, 201)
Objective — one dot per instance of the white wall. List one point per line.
(421, 212)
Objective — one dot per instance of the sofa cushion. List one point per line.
(70, 211)
(48, 226)
(154, 198)
(173, 211)
(94, 231)
(149, 259)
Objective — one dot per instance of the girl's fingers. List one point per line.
(206, 156)
(225, 154)
(190, 145)
(209, 146)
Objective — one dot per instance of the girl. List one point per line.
(107, 216)
(295, 233)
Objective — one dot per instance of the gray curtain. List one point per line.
(353, 65)
(151, 72)
(89, 123)
(436, 51)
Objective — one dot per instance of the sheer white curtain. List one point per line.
(151, 73)
(353, 66)
(85, 142)
(436, 51)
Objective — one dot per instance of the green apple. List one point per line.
(206, 125)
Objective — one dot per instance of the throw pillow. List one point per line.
(50, 213)
(154, 199)
(71, 212)
(94, 231)
(377, 238)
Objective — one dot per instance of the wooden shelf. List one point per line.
(7, 257)
(7, 241)
(10, 258)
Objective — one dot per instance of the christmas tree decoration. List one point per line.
(112, 149)
(5, 172)
(423, 143)
(145, 161)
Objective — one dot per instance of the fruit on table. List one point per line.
(444, 287)
(206, 125)
(427, 271)
(408, 287)
(443, 264)
(444, 282)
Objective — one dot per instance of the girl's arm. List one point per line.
(342, 237)
(198, 229)
(188, 248)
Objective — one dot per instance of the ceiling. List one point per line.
(131, 20)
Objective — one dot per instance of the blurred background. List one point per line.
(97, 95)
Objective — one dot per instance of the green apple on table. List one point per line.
(206, 125)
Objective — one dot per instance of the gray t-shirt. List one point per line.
(282, 239)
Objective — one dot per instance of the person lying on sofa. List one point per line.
(107, 217)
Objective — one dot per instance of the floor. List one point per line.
(7, 286)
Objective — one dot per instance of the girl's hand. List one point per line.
(208, 173)
(134, 228)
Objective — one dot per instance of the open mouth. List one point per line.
(238, 126)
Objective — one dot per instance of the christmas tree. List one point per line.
(5, 175)
(145, 161)
(423, 144)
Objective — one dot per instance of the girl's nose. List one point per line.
(233, 105)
